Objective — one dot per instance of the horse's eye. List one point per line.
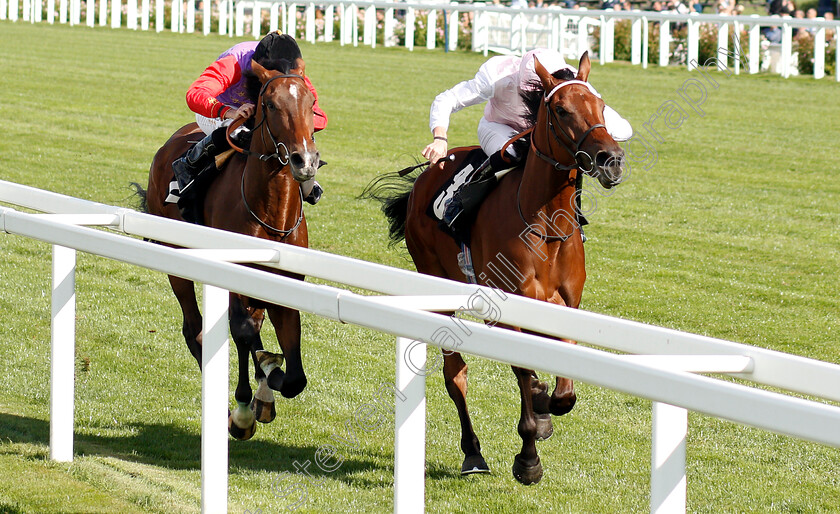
(270, 106)
(560, 111)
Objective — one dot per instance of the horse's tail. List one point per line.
(392, 191)
(141, 196)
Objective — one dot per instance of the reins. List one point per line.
(573, 150)
(283, 159)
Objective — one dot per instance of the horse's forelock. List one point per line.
(533, 94)
(253, 84)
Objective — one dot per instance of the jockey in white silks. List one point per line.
(500, 82)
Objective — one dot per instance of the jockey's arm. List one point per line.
(216, 79)
(618, 127)
(469, 92)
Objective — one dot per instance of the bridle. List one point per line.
(572, 147)
(283, 158)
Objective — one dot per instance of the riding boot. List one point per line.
(194, 170)
(463, 205)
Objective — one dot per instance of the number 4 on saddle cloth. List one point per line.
(456, 204)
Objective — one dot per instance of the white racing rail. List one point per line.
(660, 365)
(492, 28)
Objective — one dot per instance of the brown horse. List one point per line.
(529, 221)
(259, 196)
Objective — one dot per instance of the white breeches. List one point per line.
(492, 136)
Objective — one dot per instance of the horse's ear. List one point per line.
(548, 81)
(584, 67)
(299, 67)
(260, 71)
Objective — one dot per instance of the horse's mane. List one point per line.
(253, 84)
(533, 93)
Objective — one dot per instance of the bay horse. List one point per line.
(530, 220)
(258, 196)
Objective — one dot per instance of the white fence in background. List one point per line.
(492, 28)
(660, 364)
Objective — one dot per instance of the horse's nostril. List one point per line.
(297, 160)
(602, 159)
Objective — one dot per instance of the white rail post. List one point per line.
(103, 13)
(430, 29)
(664, 42)
(62, 353)
(602, 48)
(390, 25)
(13, 10)
(819, 53)
(274, 17)
(190, 17)
(755, 57)
(214, 401)
(369, 32)
(90, 12)
(206, 17)
(116, 14)
(410, 19)
(723, 47)
(4, 8)
(454, 26)
(667, 470)
(310, 23)
(329, 21)
(645, 38)
(410, 428)
(159, 16)
(145, 14)
(787, 48)
(636, 42)
(693, 37)
(131, 15)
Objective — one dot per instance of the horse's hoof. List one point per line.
(241, 422)
(564, 405)
(474, 464)
(263, 411)
(293, 387)
(275, 379)
(544, 426)
(525, 474)
(270, 364)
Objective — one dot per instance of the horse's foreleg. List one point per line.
(287, 324)
(455, 378)
(527, 468)
(244, 329)
(185, 293)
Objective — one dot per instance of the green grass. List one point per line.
(733, 234)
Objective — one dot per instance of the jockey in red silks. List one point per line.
(500, 82)
(220, 95)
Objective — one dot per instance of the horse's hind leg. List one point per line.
(455, 378)
(527, 468)
(287, 324)
(185, 293)
(563, 398)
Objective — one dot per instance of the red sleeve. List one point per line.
(201, 96)
(320, 116)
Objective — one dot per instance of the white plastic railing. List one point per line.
(662, 369)
(492, 28)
